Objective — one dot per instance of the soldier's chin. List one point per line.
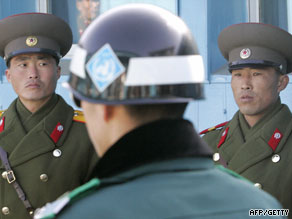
(248, 111)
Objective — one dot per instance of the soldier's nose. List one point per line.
(33, 73)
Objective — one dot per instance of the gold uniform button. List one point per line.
(4, 175)
(216, 157)
(276, 158)
(5, 210)
(258, 185)
(44, 177)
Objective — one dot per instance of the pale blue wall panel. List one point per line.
(286, 95)
(7, 95)
(192, 112)
(231, 106)
(61, 90)
(211, 111)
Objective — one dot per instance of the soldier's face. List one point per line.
(33, 77)
(255, 90)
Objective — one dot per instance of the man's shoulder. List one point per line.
(63, 108)
(2, 112)
(214, 128)
(50, 210)
(212, 134)
(78, 116)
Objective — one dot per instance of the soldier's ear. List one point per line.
(283, 82)
(108, 112)
(58, 71)
(8, 76)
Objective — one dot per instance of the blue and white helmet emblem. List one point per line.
(104, 67)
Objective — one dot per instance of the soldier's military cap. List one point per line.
(256, 44)
(34, 33)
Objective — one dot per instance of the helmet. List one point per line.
(136, 53)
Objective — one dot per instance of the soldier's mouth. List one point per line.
(32, 85)
(246, 98)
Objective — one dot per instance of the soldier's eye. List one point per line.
(22, 65)
(236, 74)
(256, 73)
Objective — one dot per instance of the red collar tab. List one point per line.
(223, 137)
(2, 121)
(57, 132)
(213, 128)
(275, 139)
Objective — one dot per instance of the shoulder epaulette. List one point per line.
(1, 112)
(50, 210)
(78, 116)
(213, 128)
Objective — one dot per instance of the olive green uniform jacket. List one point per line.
(49, 153)
(263, 154)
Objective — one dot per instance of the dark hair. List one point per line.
(148, 111)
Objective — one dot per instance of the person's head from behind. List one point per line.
(139, 64)
(32, 52)
(259, 65)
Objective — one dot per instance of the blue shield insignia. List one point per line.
(104, 67)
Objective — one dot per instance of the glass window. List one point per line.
(80, 13)
(10, 7)
(274, 12)
(220, 15)
(170, 5)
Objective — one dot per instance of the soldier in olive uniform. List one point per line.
(256, 142)
(40, 134)
(153, 164)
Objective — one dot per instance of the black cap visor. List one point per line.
(253, 64)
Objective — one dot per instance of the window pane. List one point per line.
(220, 15)
(274, 12)
(166, 4)
(10, 7)
(80, 13)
